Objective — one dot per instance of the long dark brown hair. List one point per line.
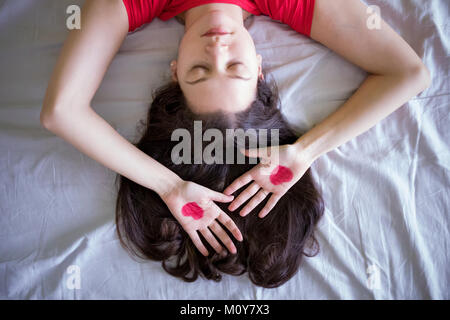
(273, 247)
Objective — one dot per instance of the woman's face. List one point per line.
(218, 73)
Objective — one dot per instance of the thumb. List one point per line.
(257, 152)
(220, 197)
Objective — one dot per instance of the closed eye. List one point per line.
(205, 67)
(198, 66)
(234, 64)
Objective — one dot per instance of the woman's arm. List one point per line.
(66, 112)
(396, 73)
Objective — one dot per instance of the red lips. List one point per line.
(281, 174)
(192, 209)
(215, 32)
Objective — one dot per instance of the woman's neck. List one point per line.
(188, 17)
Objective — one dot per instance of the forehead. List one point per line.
(212, 97)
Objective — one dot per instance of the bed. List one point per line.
(385, 233)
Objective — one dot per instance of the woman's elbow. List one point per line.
(56, 117)
(420, 75)
(47, 117)
(51, 115)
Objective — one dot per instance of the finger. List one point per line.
(220, 197)
(256, 153)
(223, 236)
(238, 183)
(269, 205)
(211, 240)
(230, 225)
(257, 199)
(244, 196)
(198, 243)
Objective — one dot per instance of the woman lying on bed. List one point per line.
(218, 78)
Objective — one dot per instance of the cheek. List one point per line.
(192, 209)
(280, 175)
(185, 51)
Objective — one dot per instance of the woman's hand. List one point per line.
(194, 208)
(279, 169)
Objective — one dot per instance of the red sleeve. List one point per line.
(142, 11)
(297, 14)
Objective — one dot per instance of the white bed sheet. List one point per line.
(386, 191)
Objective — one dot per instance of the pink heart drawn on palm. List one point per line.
(281, 174)
(192, 209)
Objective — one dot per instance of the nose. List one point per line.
(216, 45)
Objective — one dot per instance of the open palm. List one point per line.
(279, 169)
(194, 208)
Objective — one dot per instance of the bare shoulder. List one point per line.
(86, 55)
(359, 34)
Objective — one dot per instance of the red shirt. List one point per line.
(297, 14)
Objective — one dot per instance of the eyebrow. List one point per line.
(205, 79)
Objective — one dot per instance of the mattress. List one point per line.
(385, 233)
